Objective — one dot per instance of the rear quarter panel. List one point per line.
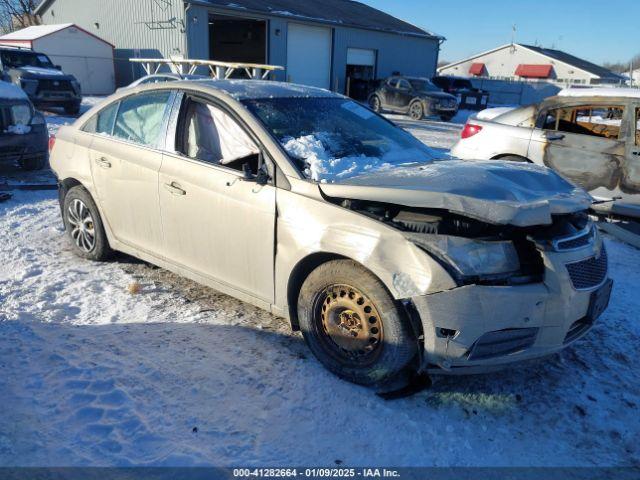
(70, 157)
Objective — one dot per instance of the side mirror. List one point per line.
(262, 177)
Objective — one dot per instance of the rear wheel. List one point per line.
(447, 117)
(514, 158)
(84, 226)
(375, 104)
(352, 325)
(416, 111)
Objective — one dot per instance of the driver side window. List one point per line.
(209, 134)
(404, 85)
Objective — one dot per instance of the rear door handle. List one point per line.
(555, 136)
(103, 162)
(174, 189)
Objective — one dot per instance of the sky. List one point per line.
(596, 30)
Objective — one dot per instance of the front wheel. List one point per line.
(352, 325)
(84, 226)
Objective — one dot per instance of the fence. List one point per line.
(504, 92)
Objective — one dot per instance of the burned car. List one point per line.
(590, 136)
(417, 97)
(45, 83)
(23, 131)
(317, 209)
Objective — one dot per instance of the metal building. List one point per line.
(528, 62)
(332, 44)
(79, 53)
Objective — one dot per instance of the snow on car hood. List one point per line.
(497, 192)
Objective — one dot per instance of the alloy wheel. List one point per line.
(82, 225)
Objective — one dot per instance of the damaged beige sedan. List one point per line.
(313, 207)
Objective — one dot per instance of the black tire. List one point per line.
(416, 110)
(98, 250)
(326, 299)
(514, 158)
(31, 164)
(375, 104)
(72, 108)
(447, 117)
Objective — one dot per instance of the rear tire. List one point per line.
(375, 104)
(416, 111)
(514, 158)
(84, 226)
(352, 325)
(447, 118)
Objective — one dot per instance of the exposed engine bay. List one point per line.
(441, 234)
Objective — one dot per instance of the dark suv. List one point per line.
(23, 131)
(44, 83)
(416, 96)
(469, 97)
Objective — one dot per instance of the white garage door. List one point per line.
(309, 55)
(361, 56)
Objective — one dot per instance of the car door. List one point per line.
(388, 91)
(403, 95)
(584, 143)
(125, 162)
(216, 223)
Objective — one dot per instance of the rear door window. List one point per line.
(102, 122)
(602, 121)
(141, 117)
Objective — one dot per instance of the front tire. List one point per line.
(447, 117)
(352, 325)
(32, 164)
(72, 108)
(84, 226)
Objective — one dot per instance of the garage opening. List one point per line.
(237, 40)
(361, 72)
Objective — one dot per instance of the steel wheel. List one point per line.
(349, 325)
(416, 111)
(82, 225)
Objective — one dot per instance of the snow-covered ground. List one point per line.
(178, 374)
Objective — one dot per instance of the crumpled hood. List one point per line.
(504, 193)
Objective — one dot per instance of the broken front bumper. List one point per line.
(475, 328)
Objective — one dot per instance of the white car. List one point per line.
(590, 136)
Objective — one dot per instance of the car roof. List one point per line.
(600, 92)
(259, 89)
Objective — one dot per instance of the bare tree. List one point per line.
(17, 14)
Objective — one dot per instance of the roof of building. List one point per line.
(558, 55)
(573, 60)
(340, 12)
(33, 33)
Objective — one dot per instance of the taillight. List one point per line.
(52, 142)
(470, 130)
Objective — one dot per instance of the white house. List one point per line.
(79, 53)
(528, 62)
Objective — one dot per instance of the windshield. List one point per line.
(331, 139)
(423, 85)
(19, 59)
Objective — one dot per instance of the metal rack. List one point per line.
(218, 70)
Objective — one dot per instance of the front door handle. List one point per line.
(555, 136)
(103, 162)
(174, 189)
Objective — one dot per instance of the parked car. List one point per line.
(45, 83)
(468, 96)
(313, 207)
(590, 136)
(162, 78)
(416, 96)
(23, 131)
